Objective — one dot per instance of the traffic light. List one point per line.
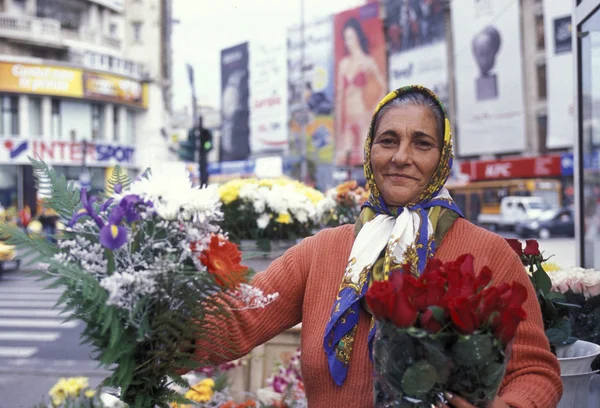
(206, 140)
(187, 148)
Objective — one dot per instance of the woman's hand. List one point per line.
(458, 402)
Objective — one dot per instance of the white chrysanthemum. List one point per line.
(263, 221)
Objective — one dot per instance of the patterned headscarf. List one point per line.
(388, 237)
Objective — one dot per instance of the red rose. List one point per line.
(429, 322)
(483, 278)
(463, 315)
(513, 295)
(505, 327)
(380, 298)
(488, 303)
(431, 291)
(532, 248)
(405, 313)
(516, 245)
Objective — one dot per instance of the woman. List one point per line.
(321, 281)
(354, 92)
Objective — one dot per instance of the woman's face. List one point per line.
(351, 40)
(405, 153)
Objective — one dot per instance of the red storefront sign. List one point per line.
(526, 167)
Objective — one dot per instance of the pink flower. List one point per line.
(591, 283)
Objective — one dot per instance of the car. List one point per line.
(551, 223)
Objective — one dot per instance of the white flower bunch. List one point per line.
(578, 280)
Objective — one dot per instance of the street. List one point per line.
(37, 347)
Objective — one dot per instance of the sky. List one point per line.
(205, 27)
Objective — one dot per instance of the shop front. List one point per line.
(72, 159)
(586, 20)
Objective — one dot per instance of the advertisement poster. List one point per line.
(361, 78)
(111, 88)
(310, 85)
(268, 96)
(71, 83)
(41, 80)
(416, 35)
(559, 65)
(489, 83)
(235, 130)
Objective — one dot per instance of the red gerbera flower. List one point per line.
(223, 260)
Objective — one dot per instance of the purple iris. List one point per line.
(87, 210)
(279, 384)
(129, 204)
(113, 235)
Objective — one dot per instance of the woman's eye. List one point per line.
(424, 144)
(387, 141)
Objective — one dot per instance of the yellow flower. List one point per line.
(201, 392)
(67, 387)
(551, 267)
(284, 218)
(90, 393)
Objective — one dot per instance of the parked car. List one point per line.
(553, 223)
(514, 210)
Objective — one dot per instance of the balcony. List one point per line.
(31, 30)
(48, 32)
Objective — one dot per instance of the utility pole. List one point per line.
(197, 129)
(303, 113)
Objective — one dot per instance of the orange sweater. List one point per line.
(307, 278)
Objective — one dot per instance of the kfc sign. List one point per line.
(527, 167)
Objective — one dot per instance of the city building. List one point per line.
(586, 23)
(84, 85)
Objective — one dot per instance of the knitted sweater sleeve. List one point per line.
(243, 330)
(532, 378)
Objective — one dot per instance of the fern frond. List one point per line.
(117, 176)
(62, 197)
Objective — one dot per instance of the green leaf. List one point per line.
(264, 244)
(555, 296)
(473, 350)
(117, 176)
(438, 314)
(419, 379)
(559, 333)
(542, 280)
(491, 374)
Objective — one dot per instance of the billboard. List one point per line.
(361, 78)
(235, 128)
(416, 35)
(71, 83)
(489, 83)
(310, 86)
(559, 65)
(268, 96)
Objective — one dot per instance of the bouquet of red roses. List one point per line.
(447, 330)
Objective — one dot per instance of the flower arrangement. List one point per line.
(285, 386)
(270, 209)
(447, 330)
(73, 392)
(145, 270)
(343, 204)
(556, 310)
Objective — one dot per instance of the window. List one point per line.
(541, 82)
(55, 126)
(542, 128)
(9, 115)
(112, 29)
(539, 32)
(69, 13)
(97, 132)
(116, 136)
(35, 118)
(131, 128)
(137, 31)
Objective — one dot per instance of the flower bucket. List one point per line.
(577, 358)
(576, 390)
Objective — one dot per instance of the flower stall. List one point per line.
(343, 204)
(270, 213)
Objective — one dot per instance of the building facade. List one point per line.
(83, 86)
